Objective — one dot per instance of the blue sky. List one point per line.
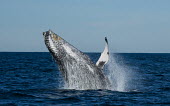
(130, 25)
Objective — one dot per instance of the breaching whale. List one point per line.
(79, 71)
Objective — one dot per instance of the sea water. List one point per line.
(34, 79)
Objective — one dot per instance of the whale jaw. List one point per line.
(78, 70)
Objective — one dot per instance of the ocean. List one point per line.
(32, 78)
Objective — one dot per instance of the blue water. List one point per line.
(33, 79)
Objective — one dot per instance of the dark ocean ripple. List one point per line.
(33, 79)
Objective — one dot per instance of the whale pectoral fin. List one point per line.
(104, 57)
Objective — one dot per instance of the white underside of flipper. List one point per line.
(104, 57)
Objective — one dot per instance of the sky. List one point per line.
(131, 26)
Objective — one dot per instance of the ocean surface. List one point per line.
(34, 79)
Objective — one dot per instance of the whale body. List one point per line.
(78, 70)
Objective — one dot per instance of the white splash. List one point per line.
(118, 75)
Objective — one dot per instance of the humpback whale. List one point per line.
(78, 70)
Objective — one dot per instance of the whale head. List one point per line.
(54, 44)
(61, 51)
